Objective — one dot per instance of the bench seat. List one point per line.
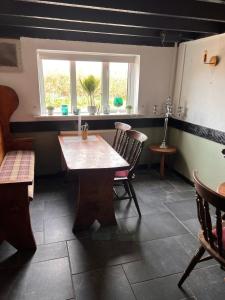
(18, 167)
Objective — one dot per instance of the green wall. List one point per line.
(196, 153)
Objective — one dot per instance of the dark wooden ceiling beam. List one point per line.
(190, 9)
(12, 32)
(107, 17)
(19, 21)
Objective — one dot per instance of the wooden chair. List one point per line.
(119, 139)
(132, 149)
(212, 238)
(221, 189)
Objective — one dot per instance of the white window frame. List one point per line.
(105, 59)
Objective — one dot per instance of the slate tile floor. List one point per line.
(140, 259)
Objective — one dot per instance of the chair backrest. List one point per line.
(205, 198)
(2, 145)
(221, 189)
(119, 139)
(132, 149)
(8, 104)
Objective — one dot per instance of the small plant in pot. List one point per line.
(90, 85)
(129, 109)
(50, 110)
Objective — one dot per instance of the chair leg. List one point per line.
(127, 189)
(192, 264)
(115, 193)
(134, 197)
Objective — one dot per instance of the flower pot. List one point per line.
(50, 111)
(106, 109)
(92, 110)
(129, 109)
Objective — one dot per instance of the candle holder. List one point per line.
(167, 112)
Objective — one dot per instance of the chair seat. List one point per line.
(123, 173)
(223, 235)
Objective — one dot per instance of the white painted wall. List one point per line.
(199, 87)
(156, 71)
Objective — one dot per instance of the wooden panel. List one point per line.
(15, 217)
(2, 146)
(8, 104)
(91, 154)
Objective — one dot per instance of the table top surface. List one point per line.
(169, 149)
(91, 154)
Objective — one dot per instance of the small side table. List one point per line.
(163, 152)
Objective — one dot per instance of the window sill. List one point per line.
(87, 117)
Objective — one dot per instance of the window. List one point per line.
(66, 78)
(83, 70)
(56, 76)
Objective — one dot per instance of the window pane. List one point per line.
(88, 84)
(57, 83)
(118, 73)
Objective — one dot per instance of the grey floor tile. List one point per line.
(193, 226)
(207, 283)
(50, 251)
(103, 284)
(151, 227)
(87, 255)
(59, 208)
(10, 257)
(162, 257)
(151, 207)
(180, 196)
(157, 196)
(183, 210)
(37, 206)
(180, 185)
(152, 185)
(44, 280)
(161, 288)
(39, 237)
(59, 229)
(124, 209)
(37, 221)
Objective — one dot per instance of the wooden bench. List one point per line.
(16, 182)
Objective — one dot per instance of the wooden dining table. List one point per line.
(92, 164)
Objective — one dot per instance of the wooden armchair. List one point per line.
(16, 178)
(212, 238)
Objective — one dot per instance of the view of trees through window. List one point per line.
(118, 73)
(57, 83)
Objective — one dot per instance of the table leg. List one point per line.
(162, 166)
(95, 199)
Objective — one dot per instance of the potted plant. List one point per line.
(90, 85)
(129, 109)
(50, 110)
